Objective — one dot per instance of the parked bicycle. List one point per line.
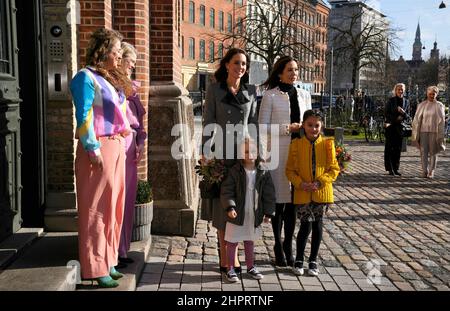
(373, 126)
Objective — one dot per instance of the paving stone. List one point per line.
(336, 271)
(330, 286)
(177, 251)
(325, 277)
(193, 256)
(175, 258)
(209, 258)
(191, 287)
(419, 285)
(344, 280)
(147, 287)
(416, 266)
(349, 287)
(404, 286)
(309, 280)
(195, 249)
(290, 285)
(232, 287)
(150, 278)
(211, 252)
(271, 287)
(311, 288)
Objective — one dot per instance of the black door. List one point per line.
(31, 111)
(10, 184)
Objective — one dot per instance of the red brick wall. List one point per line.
(165, 54)
(94, 14)
(131, 19)
(198, 31)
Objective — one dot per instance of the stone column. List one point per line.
(131, 18)
(174, 181)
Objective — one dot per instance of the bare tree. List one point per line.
(270, 30)
(362, 38)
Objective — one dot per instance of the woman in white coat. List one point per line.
(428, 131)
(283, 105)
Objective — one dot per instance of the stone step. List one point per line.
(139, 252)
(44, 265)
(17, 243)
(61, 220)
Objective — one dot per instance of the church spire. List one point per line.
(417, 46)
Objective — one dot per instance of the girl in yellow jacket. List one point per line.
(311, 168)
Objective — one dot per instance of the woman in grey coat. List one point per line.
(229, 102)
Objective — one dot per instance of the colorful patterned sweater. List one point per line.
(100, 109)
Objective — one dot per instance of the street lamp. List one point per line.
(442, 5)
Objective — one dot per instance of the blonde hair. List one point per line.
(434, 88)
(396, 86)
(128, 49)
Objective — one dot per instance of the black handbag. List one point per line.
(406, 129)
(209, 191)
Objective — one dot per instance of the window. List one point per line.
(191, 48)
(211, 51)
(202, 15)
(4, 57)
(240, 2)
(212, 17)
(221, 21)
(229, 22)
(220, 50)
(182, 46)
(202, 50)
(182, 10)
(239, 24)
(191, 12)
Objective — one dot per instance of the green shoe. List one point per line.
(106, 282)
(115, 274)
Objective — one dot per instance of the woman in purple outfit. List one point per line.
(134, 151)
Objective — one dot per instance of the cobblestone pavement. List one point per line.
(394, 231)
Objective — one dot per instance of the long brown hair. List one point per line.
(274, 77)
(221, 74)
(100, 44)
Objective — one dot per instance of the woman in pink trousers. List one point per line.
(99, 93)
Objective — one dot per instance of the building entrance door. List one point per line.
(10, 152)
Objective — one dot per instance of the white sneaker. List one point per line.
(297, 269)
(232, 276)
(313, 270)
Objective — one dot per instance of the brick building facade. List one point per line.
(202, 23)
(45, 179)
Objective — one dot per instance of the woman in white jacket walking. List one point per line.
(283, 105)
(428, 130)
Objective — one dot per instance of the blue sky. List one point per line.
(434, 23)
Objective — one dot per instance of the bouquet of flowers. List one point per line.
(343, 157)
(212, 173)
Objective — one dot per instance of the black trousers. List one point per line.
(302, 239)
(393, 147)
(284, 214)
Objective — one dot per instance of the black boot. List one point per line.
(277, 223)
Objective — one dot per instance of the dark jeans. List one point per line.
(284, 213)
(302, 238)
(392, 147)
